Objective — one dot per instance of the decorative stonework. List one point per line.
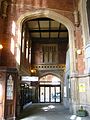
(76, 18)
(4, 5)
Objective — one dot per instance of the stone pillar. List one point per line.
(74, 94)
(84, 92)
(80, 95)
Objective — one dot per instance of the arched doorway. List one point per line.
(50, 89)
(57, 17)
(47, 41)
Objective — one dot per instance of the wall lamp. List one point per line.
(1, 46)
(33, 70)
(79, 51)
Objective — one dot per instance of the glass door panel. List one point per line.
(41, 94)
(57, 94)
(46, 94)
(52, 94)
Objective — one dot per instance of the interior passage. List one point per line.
(48, 111)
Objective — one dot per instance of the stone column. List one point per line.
(74, 94)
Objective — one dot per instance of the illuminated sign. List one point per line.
(29, 78)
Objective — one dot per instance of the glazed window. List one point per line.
(10, 88)
(49, 53)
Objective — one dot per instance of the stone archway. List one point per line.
(57, 17)
(50, 89)
(54, 74)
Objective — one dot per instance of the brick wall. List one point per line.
(19, 7)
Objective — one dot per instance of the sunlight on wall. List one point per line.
(19, 37)
(88, 58)
(18, 55)
(65, 91)
(13, 28)
(18, 47)
(12, 46)
(0, 92)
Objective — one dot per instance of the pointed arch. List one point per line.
(52, 73)
(57, 17)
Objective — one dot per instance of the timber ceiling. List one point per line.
(46, 29)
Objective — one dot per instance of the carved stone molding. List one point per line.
(4, 5)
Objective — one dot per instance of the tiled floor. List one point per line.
(48, 112)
